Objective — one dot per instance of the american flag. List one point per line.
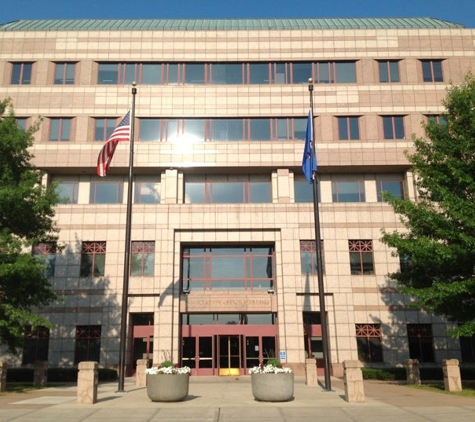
(120, 133)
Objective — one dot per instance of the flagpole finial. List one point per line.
(310, 84)
(134, 83)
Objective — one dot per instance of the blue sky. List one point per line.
(460, 11)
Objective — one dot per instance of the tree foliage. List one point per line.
(439, 240)
(26, 219)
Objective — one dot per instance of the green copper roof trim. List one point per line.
(223, 24)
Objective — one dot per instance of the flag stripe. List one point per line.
(120, 133)
(309, 160)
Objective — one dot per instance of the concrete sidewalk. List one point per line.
(229, 399)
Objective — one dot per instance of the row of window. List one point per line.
(212, 268)
(322, 72)
(369, 339)
(223, 190)
(87, 345)
(224, 130)
(420, 338)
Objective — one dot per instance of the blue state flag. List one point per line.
(309, 161)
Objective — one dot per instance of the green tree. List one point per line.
(26, 219)
(439, 241)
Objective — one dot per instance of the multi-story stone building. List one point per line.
(223, 262)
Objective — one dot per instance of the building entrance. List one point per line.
(227, 350)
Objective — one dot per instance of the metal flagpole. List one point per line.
(128, 229)
(318, 241)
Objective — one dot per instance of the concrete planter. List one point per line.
(273, 387)
(164, 387)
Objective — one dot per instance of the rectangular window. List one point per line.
(194, 73)
(394, 187)
(393, 127)
(46, 254)
(103, 128)
(421, 342)
(227, 130)
(348, 191)
(21, 73)
(301, 72)
(60, 129)
(126, 73)
(228, 190)
(93, 259)
(106, 192)
(147, 192)
(259, 73)
(143, 259)
(67, 192)
(21, 121)
(361, 257)
(388, 71)
(227, 73)
(228, 268)
(432, 70)
(64, 73)
(369, 342)
(36, 346)
(108, 74)
(88, 343)
(303, 191)
(467, 348)
(308, 257)
(348, 128)
(435, 118)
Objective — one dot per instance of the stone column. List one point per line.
(353, 378)
(40, 373)
(140, 375)
(452, 378)
(311, 372)
(3, 375)
(412, 372)
(87, 382)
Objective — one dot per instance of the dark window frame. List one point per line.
(432, 70)
(369, 339)
(141, 251)
(387, 70)
(361, 248)
(88, 337)
(93, 266)
(21, 73)
(421, 342)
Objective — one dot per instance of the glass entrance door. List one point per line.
(229, 355)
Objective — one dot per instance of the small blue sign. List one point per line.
(283, 355)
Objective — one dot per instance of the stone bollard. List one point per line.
(140, 375)
(452, 378)
(3, 376)
(40, 373)
(311, 372)
(412, 372)
(353, 378)
(87, 382)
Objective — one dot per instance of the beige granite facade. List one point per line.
(351, 299)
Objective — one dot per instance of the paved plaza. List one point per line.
(218, 399)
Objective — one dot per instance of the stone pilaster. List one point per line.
(140, 375)
(40, 373)
(412, 372)
(353, 378)
(311, 372)
(87, 382)
(452, 378)
(3, 375)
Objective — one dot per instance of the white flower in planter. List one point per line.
(271, 367)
